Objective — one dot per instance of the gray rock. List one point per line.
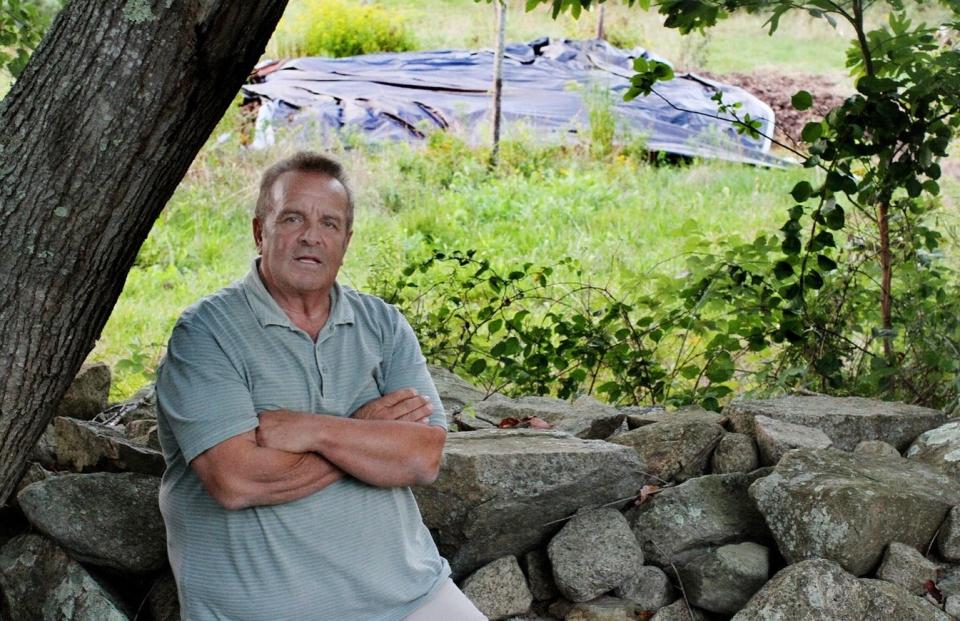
(709, 510)
(141, 406)
(585, 418)
(35, 472)
(877, 448)
(641, 416)
(948, 579)
(776, 437)
(44, 451)
(103, 518)
(847, 421)
(603, 609)
(593, 553)
(939, 448)
(847, 508)
(821, 589)
(952, 605)
(455, 392)
(144, 432)
(506, 491)
(650, 589)
(678, 611)
(88, 394)
(499, 589)
(904, 565)
(675, 450)
(948, 541)
(162, 599)
(540, 576)
(736, 452)
(885, 600)
(40, 582)
(87, 446)
(723, 579)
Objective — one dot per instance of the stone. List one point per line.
(776, 437)
(88, 394)
(847, 421)
(673, 450)
(162, 599)
(141, 406)
(736, 452)
(585, 418)
(455, 392)
(106, 519)
(904, 565)
(948, 579)
(87, 446)
(710, 510)
(948, 541)
(35, 472)
(847, 508)
(604, 608)
(593, 553)
(723, 579)
(877, 448)
(44, 451)
(951, 605)
(499, 589)
(649, 588)
(821, 589)
(639, 416)
(144, 432)
(507, 491)
(40, 581)
(678, 611)
(939, 448)
(540, 575)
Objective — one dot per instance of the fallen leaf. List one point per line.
(535, 422)
(931, 589)
(646, 492)
(507, 423)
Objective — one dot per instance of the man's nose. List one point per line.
(311, 234)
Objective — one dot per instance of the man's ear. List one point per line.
(258, 233)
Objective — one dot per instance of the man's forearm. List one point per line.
(385, 453)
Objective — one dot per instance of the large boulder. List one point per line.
(948, 541)
(455, 392)
(904, 565)
(87, 446)
(649, 589)
(776, 437)
(506, 491)
(673, 450)
(499, 589)
(723, 579)
(847, 508)
(708, 510)
(821, 589)
(88, 394)
(103, 518)
(736, 452)
(847, 421)
(939, 448)
(40, 582)
(593, 553)
(585, 418)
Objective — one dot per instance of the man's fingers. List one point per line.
(417, 414)
(392, 398)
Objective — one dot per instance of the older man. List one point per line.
(294, 415)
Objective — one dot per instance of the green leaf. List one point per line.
(791, 245)
(720, 368)
(801, 100)
(477, 367)
(782, 270)
(813, 279)
(801, 191)
(811, 132)
(826, 263)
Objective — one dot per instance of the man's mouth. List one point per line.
(309, 260)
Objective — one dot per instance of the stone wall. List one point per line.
(793, 508)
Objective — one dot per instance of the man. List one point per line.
(294, 414)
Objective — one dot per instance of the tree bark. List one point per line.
(501, 11)
(94, 138)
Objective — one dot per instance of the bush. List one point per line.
(341, 28)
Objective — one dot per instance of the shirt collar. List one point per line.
(268, 312)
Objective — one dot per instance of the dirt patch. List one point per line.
(776, 90)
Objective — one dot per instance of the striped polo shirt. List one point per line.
(350, 551)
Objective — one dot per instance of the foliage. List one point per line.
(863, 222)
(343, 28)
(22, 25)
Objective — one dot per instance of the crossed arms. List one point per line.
(386, 443)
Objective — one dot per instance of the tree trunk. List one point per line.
(601, 33)
(501, 9)
(94, 138)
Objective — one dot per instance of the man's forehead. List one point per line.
(294, 184)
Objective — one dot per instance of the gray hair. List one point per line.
(305, 162)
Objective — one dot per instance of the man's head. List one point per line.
(302, 225)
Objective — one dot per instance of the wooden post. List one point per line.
(501, 9)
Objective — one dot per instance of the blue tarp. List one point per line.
(402, 96)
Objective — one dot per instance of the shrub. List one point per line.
(342, 28)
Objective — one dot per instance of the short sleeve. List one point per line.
(407, 368)
(201, 395)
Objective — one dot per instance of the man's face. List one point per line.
(304, 236)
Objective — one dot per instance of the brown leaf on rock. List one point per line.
(535, 422)
(646, 492)
(930, 588)
(508, 423)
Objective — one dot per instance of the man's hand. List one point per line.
(404, 405)
(286, 431)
